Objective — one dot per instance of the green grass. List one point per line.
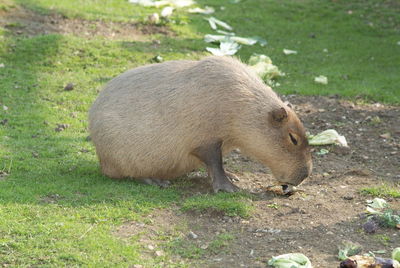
(382, 191)
(56, 209)
(363, 56)
(230, 204)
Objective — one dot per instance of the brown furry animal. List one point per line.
(164, 120)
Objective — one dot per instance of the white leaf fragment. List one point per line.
(207, 10)
(225, 33)
(2, 65)
(288, 51)
(225, 48)
(329, 136)
(210, 38)
(321, 80)
(167, 12)
(214, 22)
(244, 40)
(290, 260)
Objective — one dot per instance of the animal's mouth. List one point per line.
(288, 189)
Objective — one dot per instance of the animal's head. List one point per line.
(279, 141)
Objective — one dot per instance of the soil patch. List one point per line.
(24, 22)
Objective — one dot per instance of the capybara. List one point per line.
(164, 120)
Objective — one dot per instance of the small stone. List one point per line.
(348, 197)
(5, 108)
(329, 233)
(150, 247)
(159, 253)
(35, 154)
(193, 235)
(69, 87)
(137, 266)
(2, 65)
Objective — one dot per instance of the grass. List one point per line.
(231, 204)
(382, 191)
(56, 209)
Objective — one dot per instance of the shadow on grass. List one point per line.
(45, 166)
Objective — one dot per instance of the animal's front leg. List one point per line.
(211, 155)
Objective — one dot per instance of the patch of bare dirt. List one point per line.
(24, 22)
(327, 210)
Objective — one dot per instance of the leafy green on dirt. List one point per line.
(382, 191)
(348, 249)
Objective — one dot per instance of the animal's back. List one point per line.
(146, 122)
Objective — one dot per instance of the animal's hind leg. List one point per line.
(108, 169)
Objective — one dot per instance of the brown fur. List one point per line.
(147, 122)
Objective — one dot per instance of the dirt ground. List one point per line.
(327, 210)
(24, 22)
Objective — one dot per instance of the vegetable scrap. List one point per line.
(327, 137)
(290, 260)
(264, 68)
(321, 80)
(225, 48)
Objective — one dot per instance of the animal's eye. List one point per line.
(293, 139)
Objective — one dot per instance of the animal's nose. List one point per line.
(303, 173)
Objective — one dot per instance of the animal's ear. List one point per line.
(279, 115)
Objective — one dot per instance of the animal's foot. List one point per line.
(224, 185)
(232, 176)
(156, 182)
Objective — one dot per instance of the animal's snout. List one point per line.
(302, 174)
